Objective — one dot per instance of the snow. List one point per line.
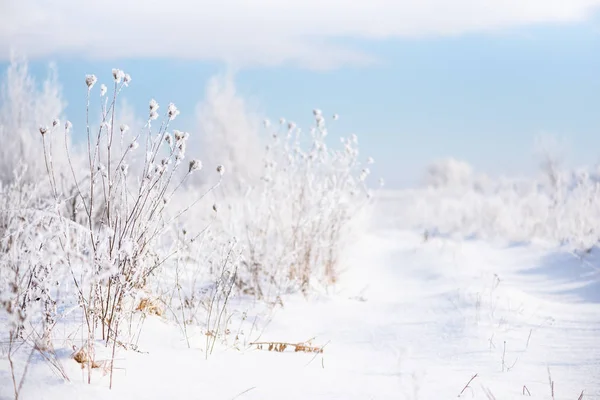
(410, 319)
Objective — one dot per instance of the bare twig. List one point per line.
(551, 383)
(467, 385)
(242, 393)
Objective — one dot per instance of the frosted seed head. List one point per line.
(220, 169)
(126, 79)
(68, 126)
(172, 111)
(118, 75)
(195, 165)
(90, 81)
(181, 146)
(43, 130)
(169, 139)
(180, 136)
(153, 105)
(56, 122)
(103, 90)
(124, 128)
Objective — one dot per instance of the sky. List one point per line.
(416, 81)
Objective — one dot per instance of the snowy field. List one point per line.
(411, 319)
(296, 277)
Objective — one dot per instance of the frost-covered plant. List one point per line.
(125, 212)
(29, 277)
(561, 206)
(231, 134)
(295, 219)
(28, 255)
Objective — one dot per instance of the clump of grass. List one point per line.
(150, 306)
(81, 356)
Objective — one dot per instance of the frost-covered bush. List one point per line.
(449, 173)
(295, 220)
(563, 207)
(28, 256)
(122, 205)
(231, 134)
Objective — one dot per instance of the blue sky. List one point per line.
(481, 96)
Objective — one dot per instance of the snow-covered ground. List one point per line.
(410, 319)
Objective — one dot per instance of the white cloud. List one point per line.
(264, 32)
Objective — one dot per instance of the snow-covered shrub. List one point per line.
(27, 258)
(231, 134)
(563, 210)
(125, 212)
(31, 277)
(294, 221)
(449, 173)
